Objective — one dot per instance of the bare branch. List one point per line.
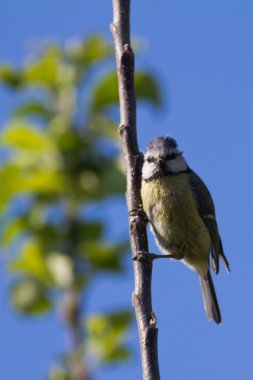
(133, 161)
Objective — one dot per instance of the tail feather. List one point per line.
(209, 297)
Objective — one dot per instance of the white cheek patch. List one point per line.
(148, 170)
(177, 165)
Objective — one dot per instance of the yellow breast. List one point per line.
(174, 218)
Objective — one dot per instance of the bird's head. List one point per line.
(163, 158)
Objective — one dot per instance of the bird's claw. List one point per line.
(142, 256)
(147, 256)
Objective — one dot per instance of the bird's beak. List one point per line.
(160, 162)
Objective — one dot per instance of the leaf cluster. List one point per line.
(62, 156)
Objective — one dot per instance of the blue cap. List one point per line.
(162, 143)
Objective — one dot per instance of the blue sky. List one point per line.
(202, 52)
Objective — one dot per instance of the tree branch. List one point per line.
(133, 161)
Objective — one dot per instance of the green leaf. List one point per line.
(45, 70)
(103, 256)
(113, 179)
(103, 179)
(105, 93)
(29, 297)
(34, 108)
(67, 140)
(32, 181)
(106, 334)
(91, 231)
(103, 127)
(89, 51)
(147, 88)
(32, 262)
(119, 355)
(12, 230)
(10, 76)
(25, 136)
(51, 235)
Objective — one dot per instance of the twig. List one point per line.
(133, 161)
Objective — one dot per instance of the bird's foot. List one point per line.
(147, 256)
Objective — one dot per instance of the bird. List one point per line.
(181, 213)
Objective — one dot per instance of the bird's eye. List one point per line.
(150, 159)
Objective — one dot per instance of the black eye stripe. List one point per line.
(172, 156)
(150, 159)
(168, 157)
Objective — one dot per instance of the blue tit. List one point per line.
(181, 213)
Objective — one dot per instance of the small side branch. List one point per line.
(133, 162)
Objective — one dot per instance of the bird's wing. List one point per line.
(207, 212)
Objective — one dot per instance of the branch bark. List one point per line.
(133, 162)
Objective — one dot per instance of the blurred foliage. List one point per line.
(106, 335)
(63, 155)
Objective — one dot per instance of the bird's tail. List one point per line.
(209, 297)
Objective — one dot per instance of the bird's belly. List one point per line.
(174, 220)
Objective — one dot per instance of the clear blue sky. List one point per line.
(202, 52)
